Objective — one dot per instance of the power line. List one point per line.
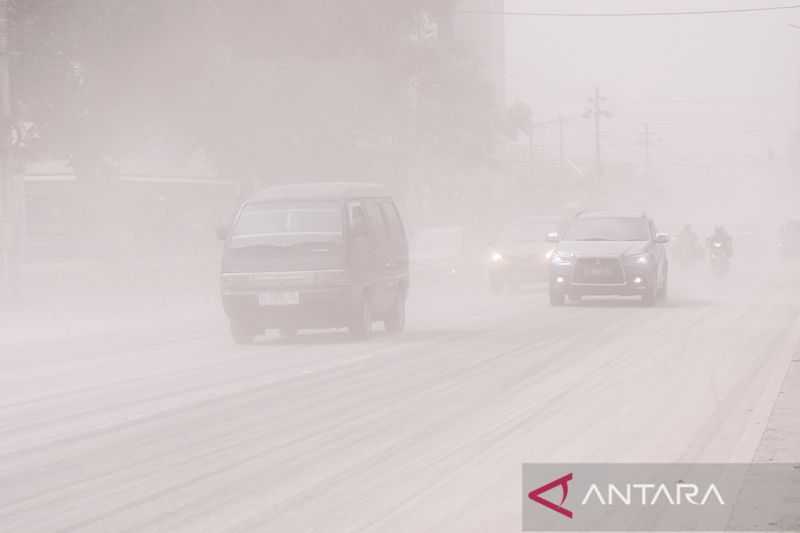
(628, 13)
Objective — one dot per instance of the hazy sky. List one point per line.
(709, 86)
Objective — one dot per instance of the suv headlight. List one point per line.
(639, 259)
(562, 258)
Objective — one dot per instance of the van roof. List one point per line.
(322, 190)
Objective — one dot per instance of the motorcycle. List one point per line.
(720, 261)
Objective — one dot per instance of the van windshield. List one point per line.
(283, 219)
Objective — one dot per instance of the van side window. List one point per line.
(378, 229)
(393, 222)
(356, 218)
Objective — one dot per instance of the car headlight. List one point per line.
(561, 258)
(549, 255)
(717, 245)
(497, 257)
(639, 259)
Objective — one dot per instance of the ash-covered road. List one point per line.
(174, 428)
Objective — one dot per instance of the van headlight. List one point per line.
(497, 257)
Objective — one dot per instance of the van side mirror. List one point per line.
(222, 231)
(553, 236)
(662, 238)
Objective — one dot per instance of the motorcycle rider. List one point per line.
(687, 245)
(722, 237)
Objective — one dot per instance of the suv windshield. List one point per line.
(608, 229)
(289, 218)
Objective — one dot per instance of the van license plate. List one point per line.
(279, 298)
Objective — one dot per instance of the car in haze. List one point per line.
(602, 253)
(321, 255)
(520, 254)
(789, 239)
(437, 254)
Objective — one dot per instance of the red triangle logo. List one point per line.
(536, 495)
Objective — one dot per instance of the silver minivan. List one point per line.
(317, 255)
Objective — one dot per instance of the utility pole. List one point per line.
(648, 139)
(7, 237)
(598, 161)
(646, 149)
(596, 111)
(560, 140)
(530, 148)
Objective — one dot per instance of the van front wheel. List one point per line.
(395, 321)
(361, 322)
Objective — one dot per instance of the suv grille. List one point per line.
(599, 270)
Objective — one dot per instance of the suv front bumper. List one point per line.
(637, 280)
